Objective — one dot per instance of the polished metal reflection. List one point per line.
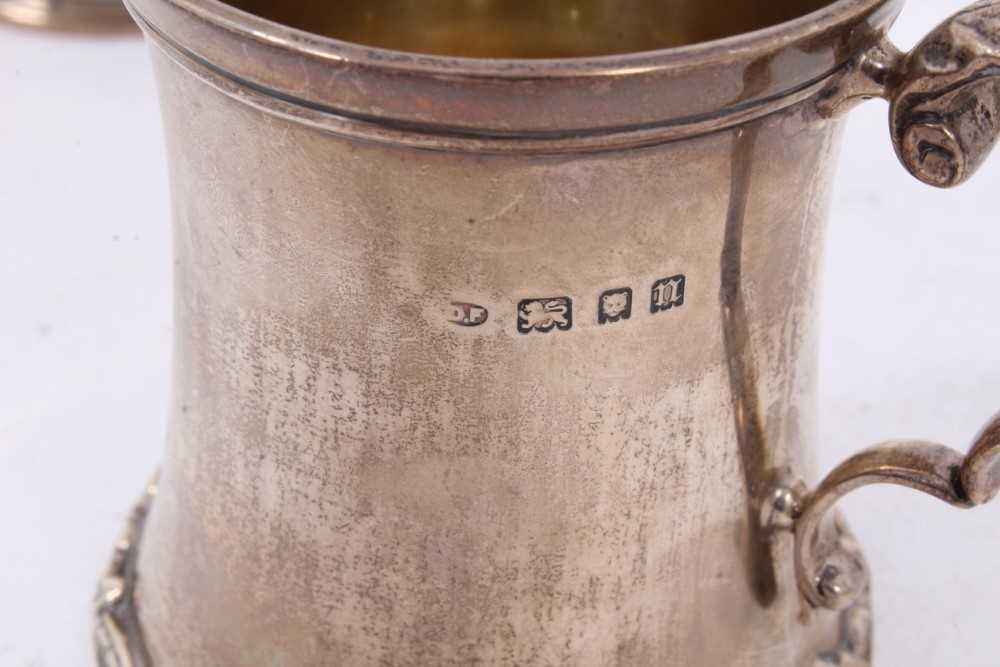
(511, 362)
(67, 15)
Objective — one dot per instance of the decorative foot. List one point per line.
(118, 639)
(855, 648)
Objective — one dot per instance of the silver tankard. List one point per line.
(496, 330)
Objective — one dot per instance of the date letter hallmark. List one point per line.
(668, 294)
(468, 314)
(615, 305)
(545, 315)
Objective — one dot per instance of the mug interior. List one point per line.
(528, 28)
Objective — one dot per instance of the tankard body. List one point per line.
(475, 381)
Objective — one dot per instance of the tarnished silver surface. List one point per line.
(119, 642)
(503, 361)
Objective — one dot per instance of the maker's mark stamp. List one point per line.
(468, 314)
(545, 315)
(615, 305)
(668, 294)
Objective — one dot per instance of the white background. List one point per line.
(909, 348)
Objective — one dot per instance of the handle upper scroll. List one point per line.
(944, 95)
(945, 98)
(832, 575)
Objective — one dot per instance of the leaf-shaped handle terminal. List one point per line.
(945, 98)
(832, 576)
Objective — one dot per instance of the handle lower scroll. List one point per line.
(833, 577)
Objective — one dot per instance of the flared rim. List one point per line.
(802, 29)
(564, 103)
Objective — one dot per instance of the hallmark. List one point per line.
(615, 305)
(545, 315)
(468, 314)
(668, 294)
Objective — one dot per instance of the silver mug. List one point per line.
(496, 331)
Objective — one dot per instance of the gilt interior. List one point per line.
(528, 28)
